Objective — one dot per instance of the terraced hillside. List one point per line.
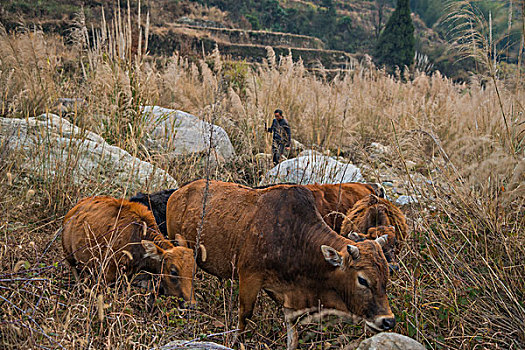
(248, 45)
(327, 33)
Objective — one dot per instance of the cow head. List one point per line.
(389, 247)
(360, 276)
(376, 215)
(176, 267)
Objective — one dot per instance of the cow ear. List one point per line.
(152, 250)
(372, 199)
(180, 241)
(332, 256)
(353, 251)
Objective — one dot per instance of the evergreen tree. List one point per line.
(395, 46)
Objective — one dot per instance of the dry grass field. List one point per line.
(461, 283)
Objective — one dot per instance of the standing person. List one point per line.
(281, 136)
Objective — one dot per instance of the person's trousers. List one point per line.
(277, 151)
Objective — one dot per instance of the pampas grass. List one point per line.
(461, 280)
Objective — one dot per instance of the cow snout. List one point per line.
(382, 323)
(388, 323)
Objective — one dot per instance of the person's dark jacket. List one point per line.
(281, 132)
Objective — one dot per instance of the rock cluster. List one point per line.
(312, 167)
(175, 133)
(49, 143)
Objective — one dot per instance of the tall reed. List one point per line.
(460, 283)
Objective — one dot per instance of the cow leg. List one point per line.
(76, 275)
(249, 286)
(292, 336)
(73, 266)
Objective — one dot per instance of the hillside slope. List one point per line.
(340, 27)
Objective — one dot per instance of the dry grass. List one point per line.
(461, 283)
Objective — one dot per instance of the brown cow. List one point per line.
(275, 239)
(116, 235)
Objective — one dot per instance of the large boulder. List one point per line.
(50, 144)
(312, 167)
(390, 341)
(175, 133)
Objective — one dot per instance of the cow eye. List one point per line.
(363, 282)
(174, 272)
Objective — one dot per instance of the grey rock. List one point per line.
(175, 133)
(390, 341)
(379, 148)
(399, 191)
(312, 167)
(48, 143)
(405, 200)
(296, 145)
(388, 183)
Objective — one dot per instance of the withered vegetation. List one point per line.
(460, 283)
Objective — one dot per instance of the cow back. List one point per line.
(156, 202)
(242, 222)
(99, 227)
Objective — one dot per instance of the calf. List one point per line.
(156, 202)
(275, 239)
(372, 217)
(373, 211)
(118, 236)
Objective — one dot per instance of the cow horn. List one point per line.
(19, 265)
(382, 240)
(354, 236)
(204, 254)
(353, 251)
(144, 228)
